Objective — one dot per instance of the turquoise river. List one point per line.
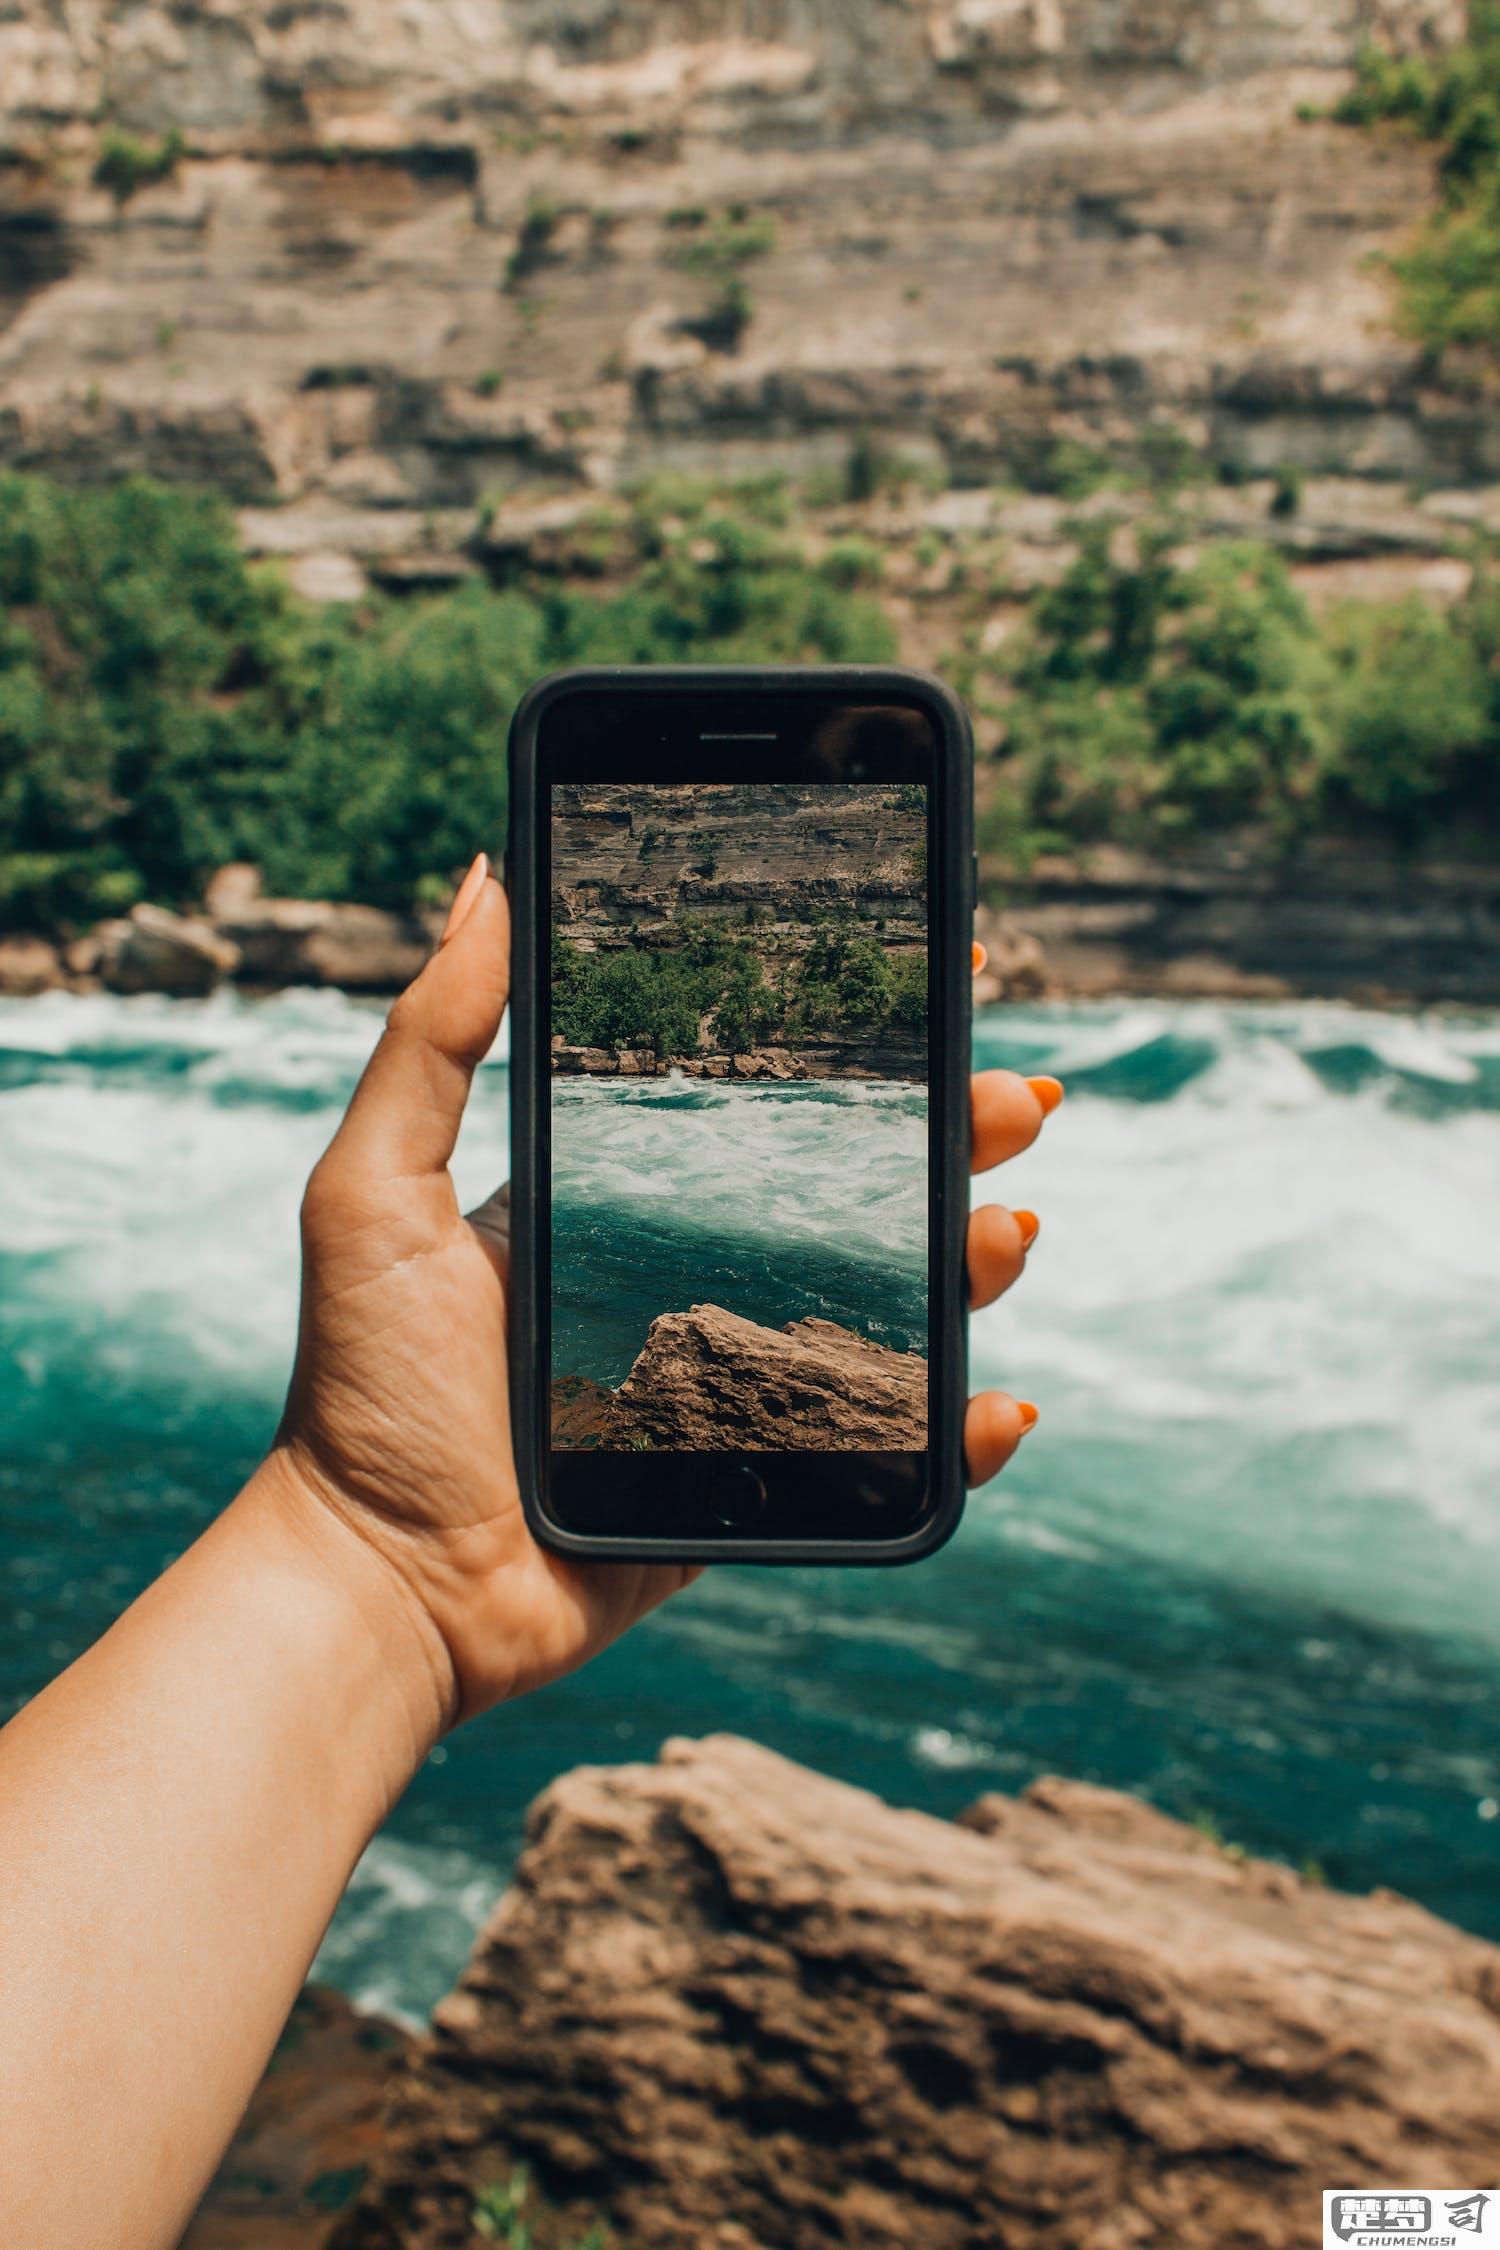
(1249, 1563)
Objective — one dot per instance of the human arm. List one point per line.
(180, 1811)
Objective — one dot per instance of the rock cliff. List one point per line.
(731, 2004)
(769, 867)
(1360, 925)
(378, 264)
(708, 1381)
(628, 861)
(419, 285)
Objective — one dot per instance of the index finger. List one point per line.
(1007, 1112)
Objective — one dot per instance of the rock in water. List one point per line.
(320, 941)
(731, 2004)
(231, 889)
(28, 965)
(583, 1414)
(709, 1381)
(155, 951)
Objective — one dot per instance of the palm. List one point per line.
(400, 1403)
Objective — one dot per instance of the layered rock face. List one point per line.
(408, 259)
(772, 864)
(731, 2004)
(1353, 925)
(708, 1381)
(767, 858)
(747, 70)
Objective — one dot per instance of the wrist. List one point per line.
(304, 1527)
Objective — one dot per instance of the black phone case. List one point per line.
(952, 922)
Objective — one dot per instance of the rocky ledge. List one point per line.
(729, 2003)
(709, 1381)
(236, 936)
(1337, 924)
(877, 1058)
(1334, 923)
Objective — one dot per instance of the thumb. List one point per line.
(408, 1106)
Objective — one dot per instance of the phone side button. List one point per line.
(737, 1497)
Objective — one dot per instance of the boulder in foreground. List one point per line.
(155, 951)
(730, 2004)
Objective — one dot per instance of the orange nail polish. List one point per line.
(1029, 1224)
(1027, 1413)
(977, 956)
(1048, 1092)
(463, 902)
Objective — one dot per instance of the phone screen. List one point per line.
(738, 1032)
(739, 1116)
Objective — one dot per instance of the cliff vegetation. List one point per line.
(1450, 274)
(1133, 366)
(716, 978)
(1157, 698)
(167, 705)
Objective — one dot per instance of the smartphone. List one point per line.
(742, 905)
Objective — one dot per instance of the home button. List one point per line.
(738, 1497)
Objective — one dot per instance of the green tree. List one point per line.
(864, 982)
(1416, 708)
(908, 991)
(748, 1012)
(166, 705)
(1235, 695)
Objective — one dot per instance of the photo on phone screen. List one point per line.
(739, 1132)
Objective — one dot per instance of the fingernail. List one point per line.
(1048, 1092)
(463, 903)
(978, 956)
(1029, 1224)
(1027, 1413)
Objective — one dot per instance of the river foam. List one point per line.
(778, 1202)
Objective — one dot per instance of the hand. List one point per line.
(397, 1427)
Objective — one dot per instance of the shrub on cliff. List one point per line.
(632, 998)
(125, 164)
(842, 981)
(1418, 710)
(717, 250)
(705, 974)
(1148, 700)
(1154, 701)
(748, 1011)
(1450, 275)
